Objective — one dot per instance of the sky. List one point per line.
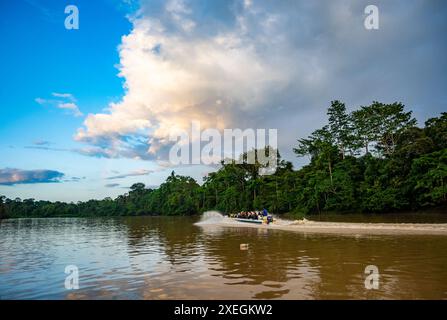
(85, 113)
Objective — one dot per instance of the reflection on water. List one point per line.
(171, 258)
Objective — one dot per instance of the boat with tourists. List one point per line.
(257, 217)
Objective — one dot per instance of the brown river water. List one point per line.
(173, 258)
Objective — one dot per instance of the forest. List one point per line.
(375, 159)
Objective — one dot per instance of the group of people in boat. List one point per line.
(254, 215)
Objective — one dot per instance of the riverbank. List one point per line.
(434, 216)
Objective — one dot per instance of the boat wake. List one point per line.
(216, 219)
(210, 218)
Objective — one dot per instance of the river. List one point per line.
(172, 258)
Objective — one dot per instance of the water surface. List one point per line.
(171, 258)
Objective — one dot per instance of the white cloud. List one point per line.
(68, 96)
(70, 106)
(65, 101)
(40, 101)
(136, 173)
(172, 79)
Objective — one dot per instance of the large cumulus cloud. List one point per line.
(265, 64)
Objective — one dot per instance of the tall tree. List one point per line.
(320, 146)
(393, 121)
(340, 126)
(366, 125)
(381, 124)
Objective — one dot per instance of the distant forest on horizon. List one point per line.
(372, 160)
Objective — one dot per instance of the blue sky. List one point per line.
(41, 57)
(96, 104)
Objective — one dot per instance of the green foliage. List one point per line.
(429, 175)
(2, 208)
(381, 125)
(436, 130)
(373, 159)
(394, 168)
(340, 127)
(177, 196)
